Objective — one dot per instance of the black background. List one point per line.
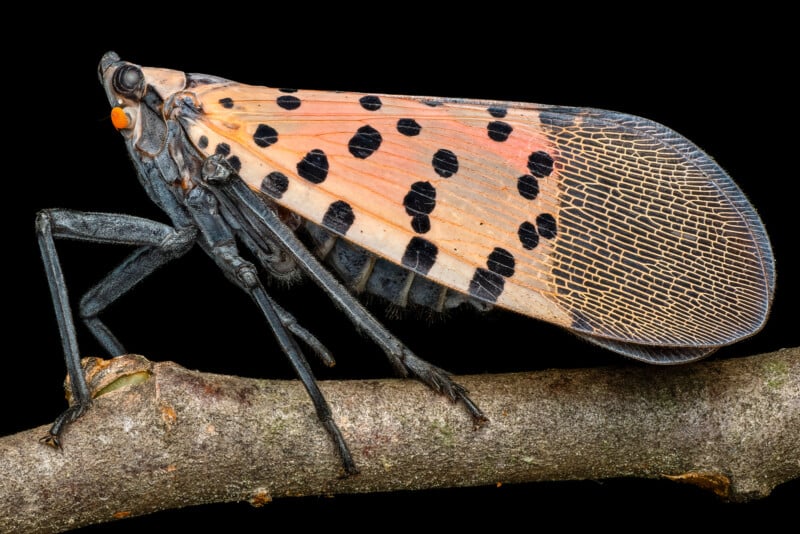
(723, 84)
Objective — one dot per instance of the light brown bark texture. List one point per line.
(180, 437)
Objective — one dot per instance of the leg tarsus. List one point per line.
(440, 381)
(347, 460)
(53, 437)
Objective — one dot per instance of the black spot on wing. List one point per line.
(546, 224)
(265, 136)
(235, 163)
(226, 103)
(540, 164)
(288, 102)
(365, 142)
(339, 217)
(527, 186)
(445, 163)
(486, 285)
(420, 255)
(528, 236)
(275, 184)
(370, 102)
(224, 149)
(408, 127)
(421, 224)
(501, 262)
(421, 198)
(499, 131)
(497, 112)
(419, 202)
(314, 166)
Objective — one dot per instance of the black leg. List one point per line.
(217, 240)
(158, 243)
(244, 274)
(291, 324)
(66, 327)
(301, 367)
(140, 264)
(243, 204)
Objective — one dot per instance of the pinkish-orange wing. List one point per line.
(609, 225)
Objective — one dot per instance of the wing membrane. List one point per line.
(612, 226)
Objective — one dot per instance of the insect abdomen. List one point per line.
(364, 272)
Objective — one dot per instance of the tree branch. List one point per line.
(177, 437)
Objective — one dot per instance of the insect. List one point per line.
(608, 225)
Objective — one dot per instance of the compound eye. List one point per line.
(128, 81)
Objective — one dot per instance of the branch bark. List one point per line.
(175, 437)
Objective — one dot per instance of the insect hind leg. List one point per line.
(439, 380)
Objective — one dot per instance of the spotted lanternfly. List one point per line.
(608, 225)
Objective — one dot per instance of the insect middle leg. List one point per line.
(158, 244)
(249, 209)
(218, 241)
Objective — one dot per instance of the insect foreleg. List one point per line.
(125, 276)
(159, 243)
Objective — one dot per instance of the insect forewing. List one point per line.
(609, 225)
